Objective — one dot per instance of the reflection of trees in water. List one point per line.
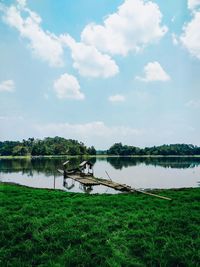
(35, 166)
(172, 162)
(119, 163)
(49, 166)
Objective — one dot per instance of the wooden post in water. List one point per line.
(54, 180)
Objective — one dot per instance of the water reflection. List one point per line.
(68, 184)
(168, 162)
(137, 172)
(48, 166)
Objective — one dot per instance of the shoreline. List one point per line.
(155, 190)
(100, 156)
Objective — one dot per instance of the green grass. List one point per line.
(54, 228)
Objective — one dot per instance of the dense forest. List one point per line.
(47, 146)
(165, 150)
(62, 146)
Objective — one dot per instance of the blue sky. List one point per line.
(100, 71)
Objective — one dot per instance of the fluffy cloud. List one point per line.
(88, 60)
(192, 4)
(49, 47)
(190, 37)
(22, 2)
(132, 27)
(99, 134)
(116, 98)
(97, 128)
(67, 86)
(43, 44)
(96, 133)
(7, 86)
(154, 72)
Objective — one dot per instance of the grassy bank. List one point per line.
(55, 228)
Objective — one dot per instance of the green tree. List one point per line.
(91, 151)
(19, 150)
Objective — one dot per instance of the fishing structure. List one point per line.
(84, 174)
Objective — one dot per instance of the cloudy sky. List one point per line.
(100, 71)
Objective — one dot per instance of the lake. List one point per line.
(139, 173)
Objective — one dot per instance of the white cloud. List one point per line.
(43, 44)
(22, 3)
(47, 46)
(190, 38)
(88, 60)
(135, 25)
(193, 104)
(102, 136)
(67, 86)
(192, 4)
(99, 134)
(97, 128)
(116, 98)
(7, 86)
(96, 133)
(154, 72)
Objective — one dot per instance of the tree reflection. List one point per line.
(49, 166)
(34, 166)
(168, 162)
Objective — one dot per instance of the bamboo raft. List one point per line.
(87, 179)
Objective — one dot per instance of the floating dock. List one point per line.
(90, 180)
(84, 180)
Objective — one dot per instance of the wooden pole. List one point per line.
(108, 175)
(151, 194)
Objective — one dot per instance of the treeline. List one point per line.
(165, 150)
(47, 146)
(61, 146)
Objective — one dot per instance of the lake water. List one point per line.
(140, 173)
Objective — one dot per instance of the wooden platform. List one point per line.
(114, 185)
(84, 180)
(88, 180)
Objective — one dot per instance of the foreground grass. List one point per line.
(55, 228)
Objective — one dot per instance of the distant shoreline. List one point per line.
(100, 156)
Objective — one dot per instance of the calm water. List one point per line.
(137, 172)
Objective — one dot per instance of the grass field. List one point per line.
(55, 228)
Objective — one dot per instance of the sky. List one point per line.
(100, 71)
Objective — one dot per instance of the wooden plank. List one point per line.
(112, 185)
(83, 163)
(87, 182)
(66, 162)
(84, 180)
(151, 194)
(90, 180)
